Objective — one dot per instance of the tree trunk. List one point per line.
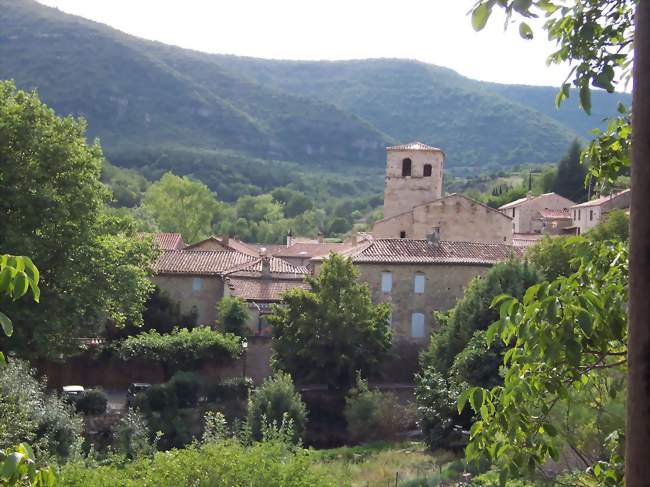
(637, 455)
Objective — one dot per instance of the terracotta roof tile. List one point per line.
(308, 250)
(262, 289)
(278, 266)
(167, 241)
(415, 146)
(405, 251)
(232, 244)
(199, 262)
(557, 214)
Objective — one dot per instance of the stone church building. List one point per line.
(415, 208)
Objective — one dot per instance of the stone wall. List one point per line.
(180, 288)
(526, 213)
(458, 219)
(444, 285)
(401, 193)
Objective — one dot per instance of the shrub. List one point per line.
(158, 398)
(234, 388)
(182, 348)
(442, 426)
(186, 386)
(29, 415)
(373, 415)
(232, 315)
(269, 404)
(227, 462)
(132, 436)
(92, 402)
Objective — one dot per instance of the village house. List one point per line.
(552, 222)
(524, 211)
(588, 215)
(199, 279)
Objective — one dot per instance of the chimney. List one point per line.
(226, 240)
(266, 266)
(290, 240)
(434, 236)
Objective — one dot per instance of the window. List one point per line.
(402, 234)
(513, 212)
(579, 214)
(406, 167)
(386, 282)
(591, 215)
(417, 325)
(427, 170)
(418, 283)
(197, 284)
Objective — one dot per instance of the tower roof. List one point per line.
(415, 146)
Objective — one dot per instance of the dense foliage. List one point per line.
(93, 267)
(182, 348)
(276, 404)
(373, 415)
(181, 205)
(570, 179)
(329, 332)
(567, 343)
(473, 313)
(232, 315)
(28, 414)
(220, 464)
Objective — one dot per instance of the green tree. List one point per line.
(297, 204)
(472, 312)
(232, 315)
(274, 404)
(561, 340)
(93, 268)
(181, 205)
(329, 332)
(570, 179)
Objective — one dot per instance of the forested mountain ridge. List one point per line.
(219, 118)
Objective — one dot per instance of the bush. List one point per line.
(158, 398)
(28, 414)
(132, 436)
(186, 386)
(373, 415)
(224, 463)
(92, 402)
(234, 388)
(269, 404)
(441, 425)
(232, 315)
(182, 348)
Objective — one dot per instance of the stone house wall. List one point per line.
(444, 285)
(457, 218)
(181, 288)
(587, 217)
(524, 214)
(401, 193)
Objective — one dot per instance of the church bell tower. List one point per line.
(413, 177)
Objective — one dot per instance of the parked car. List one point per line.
(134, 389)
(72, 393)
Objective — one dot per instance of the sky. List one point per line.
(433, 31)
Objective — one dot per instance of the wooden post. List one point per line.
(637, 464)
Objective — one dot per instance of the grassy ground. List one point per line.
(383, 464)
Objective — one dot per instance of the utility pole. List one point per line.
(637, 437)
